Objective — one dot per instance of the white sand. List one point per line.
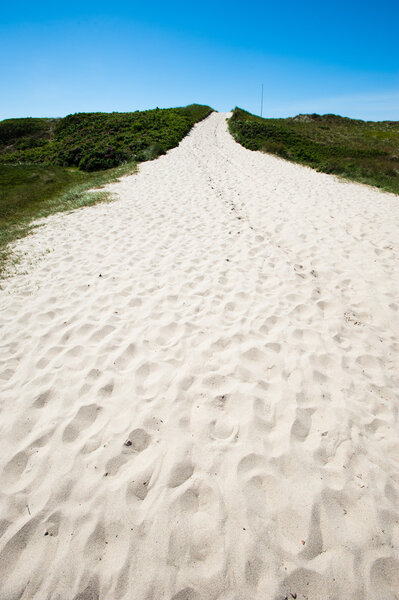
(243, 336)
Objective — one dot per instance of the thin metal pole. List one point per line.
(261, 103)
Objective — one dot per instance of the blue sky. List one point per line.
(60, 58)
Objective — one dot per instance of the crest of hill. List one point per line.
(329, 118)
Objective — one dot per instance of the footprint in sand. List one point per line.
(223, 428)
(138, 440)
(84, 418)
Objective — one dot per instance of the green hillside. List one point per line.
(96, 141)
(364, 151)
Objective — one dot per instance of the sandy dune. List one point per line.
(200, 388)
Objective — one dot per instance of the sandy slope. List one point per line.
(200, 388)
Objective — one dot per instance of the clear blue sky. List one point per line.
(341, 57)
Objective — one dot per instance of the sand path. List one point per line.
(199, 391)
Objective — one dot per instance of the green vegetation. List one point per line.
(29, 192)
(23, 134)
(96, 141)
(48, 165)
(364, 151)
